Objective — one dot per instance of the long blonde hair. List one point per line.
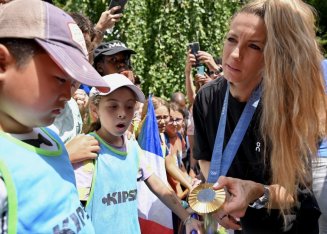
(294, 106)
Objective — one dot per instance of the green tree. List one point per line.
(159, 31)
(321, 8)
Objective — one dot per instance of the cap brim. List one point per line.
(117, 50)
(139, 94)
(103, 92)
(74, 63)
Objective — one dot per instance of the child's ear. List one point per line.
(5, 59)
(93, 112)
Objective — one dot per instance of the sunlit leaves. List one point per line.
(159, 31)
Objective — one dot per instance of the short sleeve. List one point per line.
(145, 169)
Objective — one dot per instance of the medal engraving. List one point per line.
(206, 195)
(203, 199)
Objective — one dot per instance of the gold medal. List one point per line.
(204, 200)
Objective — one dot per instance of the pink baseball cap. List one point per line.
(55, 31)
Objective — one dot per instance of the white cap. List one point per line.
(114, 82)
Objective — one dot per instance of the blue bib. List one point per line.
(42, 197)
(112, 204)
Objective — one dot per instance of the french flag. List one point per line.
(154, 216)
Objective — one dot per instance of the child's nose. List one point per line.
(66, 92)
(121, 114)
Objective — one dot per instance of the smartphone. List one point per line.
(120, 3)
(200, 70)
(195, 47)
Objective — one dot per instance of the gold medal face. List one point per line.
(203, 199)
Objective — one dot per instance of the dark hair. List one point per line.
(218, 60)
(21, 49)
(137, 80)
(98, 59)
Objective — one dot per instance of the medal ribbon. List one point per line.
(222, 160)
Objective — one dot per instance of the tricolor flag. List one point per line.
(154, 216)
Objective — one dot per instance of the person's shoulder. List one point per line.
(213, 86)
(211, 89)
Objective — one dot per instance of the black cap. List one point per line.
(111, 48)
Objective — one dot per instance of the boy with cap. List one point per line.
(114, 57)
(42, 54)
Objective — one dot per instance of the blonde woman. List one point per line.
(272, 62)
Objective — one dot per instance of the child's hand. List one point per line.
(82, 99)
(82, 147)
(193, 224)
(195, 182)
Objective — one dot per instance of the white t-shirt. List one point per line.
(69, 124)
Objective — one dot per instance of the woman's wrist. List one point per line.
(262, 201)
(256, 190)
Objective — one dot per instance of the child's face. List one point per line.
(116, 63)
(116, 111)
(175, 123)
(32, 96)
(162, 115)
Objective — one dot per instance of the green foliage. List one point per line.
(321, 8)
(159, 31)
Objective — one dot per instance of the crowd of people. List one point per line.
(252, 122)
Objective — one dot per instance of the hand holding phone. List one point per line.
(195, 47)
(120, 3)
(200, 70)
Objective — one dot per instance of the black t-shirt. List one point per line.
(248, 163)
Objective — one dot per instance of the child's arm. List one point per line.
(169, 198)
(176, 173)
(177, 188)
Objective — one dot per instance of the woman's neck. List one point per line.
(242, 92)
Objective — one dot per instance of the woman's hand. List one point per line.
(240, 193)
